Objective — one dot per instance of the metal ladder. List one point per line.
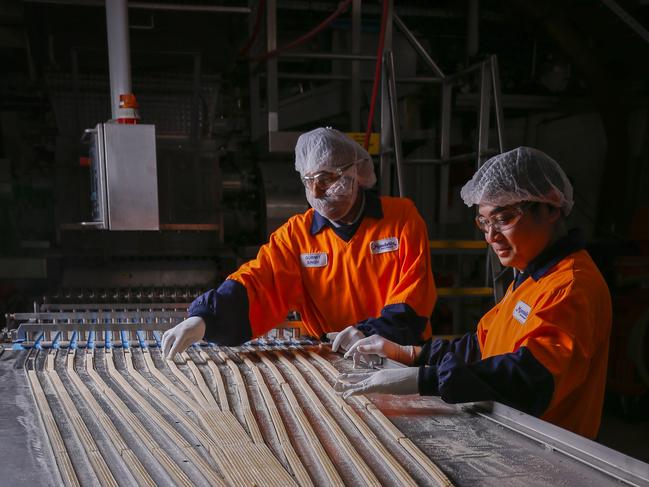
(390, 134)
(498, 278)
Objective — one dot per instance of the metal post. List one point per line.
(445, 144)
(271, 66)
(196, 96)
(388, 67)
(119, 55)
(74, 55)
(356, 68)
(445, 136)
(498, 107)
(386, 123)
(501, 276)
(29, 58)
(484, 113)
(253, 73)
(472, 28)
(255, 105)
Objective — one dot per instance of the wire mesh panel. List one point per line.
(174, 103)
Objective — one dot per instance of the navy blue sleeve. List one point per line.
(398, 323)
(225, 311)
(465, 346)
(516, 379)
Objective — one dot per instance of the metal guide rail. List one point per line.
(151, 295)
(57, 321)
(95, 404)
(58, 324)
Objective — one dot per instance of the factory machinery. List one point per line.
(85, 395)
(92, 402)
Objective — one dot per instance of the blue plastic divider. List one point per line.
(140, 338)
(55, 343)
(37, 343)
(124, 338)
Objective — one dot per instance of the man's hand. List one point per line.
(382, 347)
(177, 339)
(345, 339)
(386, 381)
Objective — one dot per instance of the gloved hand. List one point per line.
(382, 347)
(386, 381)
(177, 339)
(345, 339)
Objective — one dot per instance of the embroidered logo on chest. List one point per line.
(384, 245)
(521, 312)
(315, 259)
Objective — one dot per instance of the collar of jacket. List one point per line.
(542, 263)
(373, 209)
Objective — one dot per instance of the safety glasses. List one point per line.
(324, 179)
(501, 221)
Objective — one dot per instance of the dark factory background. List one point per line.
(471, 79)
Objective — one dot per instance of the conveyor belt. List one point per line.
(109, 411)
(260, 416)
(88, 400)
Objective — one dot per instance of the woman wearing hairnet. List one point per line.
(354, 262)
(543, 348)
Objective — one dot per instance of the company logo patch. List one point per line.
(521, 312)
(315, 259)
(384, 245)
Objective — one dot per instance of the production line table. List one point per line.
(262, 414)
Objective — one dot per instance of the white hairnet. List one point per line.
(326, 148)
(522, 174)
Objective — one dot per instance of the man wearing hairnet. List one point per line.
(543, 348)
(355, 262)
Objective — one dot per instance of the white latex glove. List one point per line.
(177, 339)
(386, 381)
(345, 339)
(382, 347)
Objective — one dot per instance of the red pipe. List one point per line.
(306, 37)
(255, 31)
(377, 74)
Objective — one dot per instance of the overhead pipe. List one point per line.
(275, 51)
(151, 6)
(472, 28)
(119, 53)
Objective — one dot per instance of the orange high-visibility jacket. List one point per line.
(378, 277)
(542, 349)
(564, 319)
